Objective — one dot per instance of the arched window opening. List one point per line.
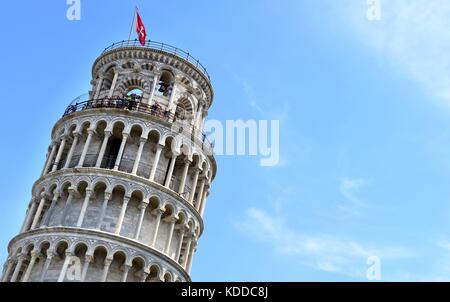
(164, 85)
(184, 110)
(135, 94)
(113, 147)
(108, 78)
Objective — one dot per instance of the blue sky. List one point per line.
(364, 126)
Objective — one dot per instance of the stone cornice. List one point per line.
(127, 176)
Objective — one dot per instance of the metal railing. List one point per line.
(162, 47)
(121, 103)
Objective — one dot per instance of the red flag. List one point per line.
(140, 28)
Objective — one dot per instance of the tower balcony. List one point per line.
(134, 104)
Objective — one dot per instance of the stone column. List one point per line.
(30, 216)
(200, 195)
(48, 260)
(87, 261)
(49, 160)
(8, 270)
(76, 137)
(155, 162)
(170, 172)
(67, 205)
(126, 269)
(145, 274)
(59, 154)
(142, 208)
(171, 220)
(46, 221)
(85, 148)
(194, 186)
(16, 272)
(143, 140)
(191, 256)
(158, 212)
(106, 266)
(172, 96)
(180, 243)
(120, 154)
(98, 88)
(113, 84)
(34, 256)
(187, 250)
(84, 207)
(183, 178)
(126, 199)
(38, 212)
(202, 207)
(152, 93)
(67, 259)
(102, 213)
(198, 116)
(103, 149)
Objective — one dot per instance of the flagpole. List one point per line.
(132, 23)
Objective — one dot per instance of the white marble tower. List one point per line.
(123, 190)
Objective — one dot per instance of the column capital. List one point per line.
(158, 212)
(126, 199)
(108, 195)
(143, 205)
(72, 190)
(63, 137)
(90, 131)
(142, 140)
(171, 219)
(182, 228)
(50, 254)
(125, 135)
(34, 254)
(89, 258)
(108, 260)
(108, 133)
(56, 195)
(89, 191)
(69, 253)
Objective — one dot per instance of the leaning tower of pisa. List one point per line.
(123, 190)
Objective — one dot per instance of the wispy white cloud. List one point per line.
(322, 252)
(248, 90)
(413, 35)
(349, 189)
